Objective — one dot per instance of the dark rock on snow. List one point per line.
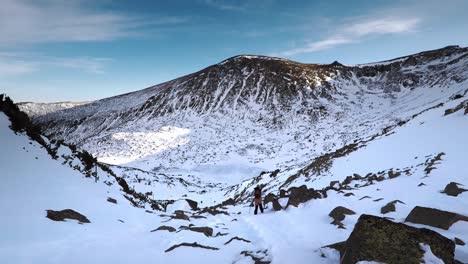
(207, 231)
(167, 228)
(111, 200)
(452, 189)
(434, 217)
(378, 239)
(459, 241)
(195, 245)
(66, 214)
(390, 207)
(192, 204)
(237, 238)
(298, 195)
(338, 214)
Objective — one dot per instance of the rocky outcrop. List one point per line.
(381, 240)
(66, 214)
(434, 217)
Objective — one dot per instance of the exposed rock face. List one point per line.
(338, 214)
(434, 217)
(452, 189)
(237, 238)
(66, 214)
(378, 239)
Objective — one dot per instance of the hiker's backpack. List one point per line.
(257, 193)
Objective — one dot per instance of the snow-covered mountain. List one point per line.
(254, 113)
(329, 144)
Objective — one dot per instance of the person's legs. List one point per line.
(261, 208)
(256, 209)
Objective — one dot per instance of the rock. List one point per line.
(213, 211)
(421, 184)
(434, 217)
(392, 174)
(379, 199)
(283, 193)
(452, 189)
(276, 205)
(195, 245)
(111, 200)
(365, 197)
(237, 238)
(192, 204)
(179, 214)
(229, 201)
(66, 214)
(167, 228)
(298, 195)
(207, 231)
(348, 194)
(269, 198)
(390, 207)
(459, 241)
(338, 214)
(381, 240)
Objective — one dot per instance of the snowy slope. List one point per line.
(294, 235)
(40, 109)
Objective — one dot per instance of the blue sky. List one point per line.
(77, 50)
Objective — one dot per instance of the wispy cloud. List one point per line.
(27, 21)
(354, 31)
(13, 64)
(231, 5)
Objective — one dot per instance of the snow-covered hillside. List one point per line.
(328, 144)
(428, 152)
(40, 109)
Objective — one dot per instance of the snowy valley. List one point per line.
(173, 167)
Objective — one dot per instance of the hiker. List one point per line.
(258, 199)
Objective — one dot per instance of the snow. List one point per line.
(218, 154)
(429, 257)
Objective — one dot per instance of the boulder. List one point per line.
(452, 189)
(193, 205)
(381, 240)
(390, 207)
(434, 217)
(276, 205)
(66, 214)
(298, 195)
(179, 214)
(338, 214)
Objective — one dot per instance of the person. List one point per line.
(258, 199)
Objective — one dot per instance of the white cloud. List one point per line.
(231, 5)
(27, 21)
(355, 31)
(13, 64)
